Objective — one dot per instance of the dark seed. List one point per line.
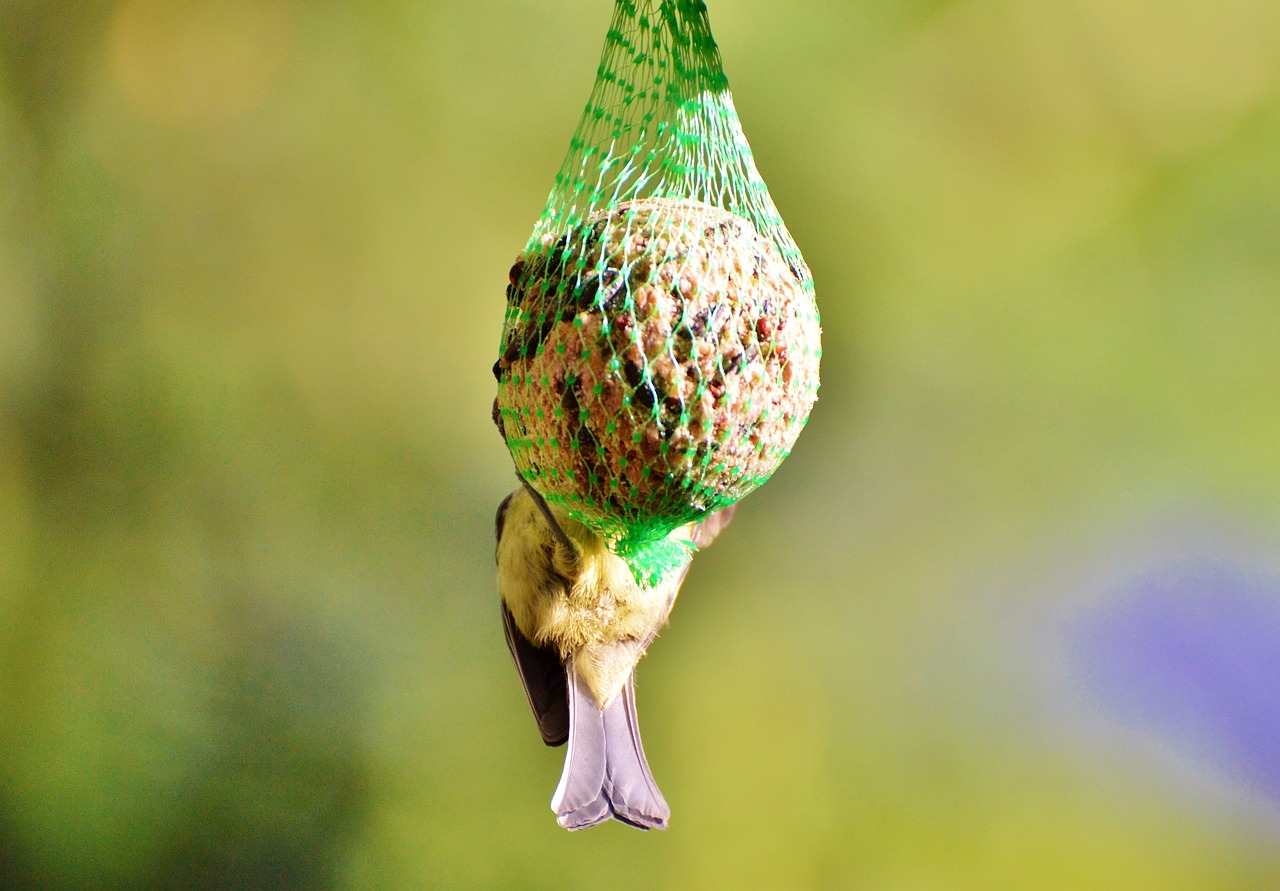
(632, 374)
(645, 396)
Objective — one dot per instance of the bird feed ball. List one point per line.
(658, 362)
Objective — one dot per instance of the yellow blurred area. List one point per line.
(252, 266)
(197, 64)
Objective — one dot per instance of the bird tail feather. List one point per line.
(606, 774)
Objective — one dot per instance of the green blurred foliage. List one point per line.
(252, 261)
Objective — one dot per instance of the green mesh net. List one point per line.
(661, 343)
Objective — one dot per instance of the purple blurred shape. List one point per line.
(1193, 654)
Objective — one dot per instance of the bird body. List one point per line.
(577, 623)
(580, 598)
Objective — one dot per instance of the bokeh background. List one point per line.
(1009, 617)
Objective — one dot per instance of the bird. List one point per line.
(577, 622)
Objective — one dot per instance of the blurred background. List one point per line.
(1008, 618)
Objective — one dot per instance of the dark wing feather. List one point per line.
(543, 677)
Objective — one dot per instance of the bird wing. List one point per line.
(703, 534)
(543, 677)
(706, 531)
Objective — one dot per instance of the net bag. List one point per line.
(661, 343)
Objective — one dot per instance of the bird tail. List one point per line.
(605, 772)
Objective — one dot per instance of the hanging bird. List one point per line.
(577, 623)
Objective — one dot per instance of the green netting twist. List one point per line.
(660, 348)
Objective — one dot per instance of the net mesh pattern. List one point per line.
(661, 343)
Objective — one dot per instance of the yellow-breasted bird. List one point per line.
(577, 623)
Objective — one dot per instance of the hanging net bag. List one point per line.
(660, 347)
